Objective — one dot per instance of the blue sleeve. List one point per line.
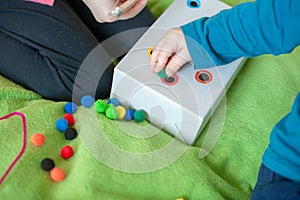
(283, 153)
(247, 30)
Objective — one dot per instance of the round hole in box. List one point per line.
(193, 3)
(170, 80)
(149, 52)
(203, 76)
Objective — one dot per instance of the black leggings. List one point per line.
(42, 47)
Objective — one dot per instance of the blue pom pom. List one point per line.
(62, 124)
(87, 101)
(70, 108)
(113, 101)
(129, 115)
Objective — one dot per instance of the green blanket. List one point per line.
(262, 93)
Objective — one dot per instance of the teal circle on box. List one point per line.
(193, 3)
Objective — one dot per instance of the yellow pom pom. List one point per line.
(121, 112)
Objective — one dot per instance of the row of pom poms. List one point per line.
(113, 109)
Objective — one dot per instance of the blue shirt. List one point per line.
(247, 30)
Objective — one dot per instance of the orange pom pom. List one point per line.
(38, 139)
(57, 174)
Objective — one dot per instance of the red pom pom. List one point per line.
(70, 119)
(66, 152)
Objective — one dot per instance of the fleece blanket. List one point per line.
(223, 163)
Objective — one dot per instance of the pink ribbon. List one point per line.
(17, 158)
(45, 2)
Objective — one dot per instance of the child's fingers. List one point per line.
(158, 62)
(155, 56)
(162, 60)
(153, 59)
(159, 59)
(170, 52)
(175, 63)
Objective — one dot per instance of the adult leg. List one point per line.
(43, 47)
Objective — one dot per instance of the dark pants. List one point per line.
(272, 186)
(42, 47)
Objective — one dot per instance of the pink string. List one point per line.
(23, 146)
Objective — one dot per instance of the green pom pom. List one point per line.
(139, 116)
(100, 106)
(162, 73)
(111, 112)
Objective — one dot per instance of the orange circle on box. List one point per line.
(171, 80)
(203, 76)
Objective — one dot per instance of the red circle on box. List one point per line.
(172, 80)
(203, 76)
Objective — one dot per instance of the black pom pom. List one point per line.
(70, 133)
(47, 164)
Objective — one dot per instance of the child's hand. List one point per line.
(101, 9)
(170, 52)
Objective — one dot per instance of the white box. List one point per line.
(184, 107)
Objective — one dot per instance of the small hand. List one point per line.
(170, 52)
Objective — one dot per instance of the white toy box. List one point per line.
(181, 105)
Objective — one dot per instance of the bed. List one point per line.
(261, 95)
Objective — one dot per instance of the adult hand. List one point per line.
(170, 52)
(101, 9)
